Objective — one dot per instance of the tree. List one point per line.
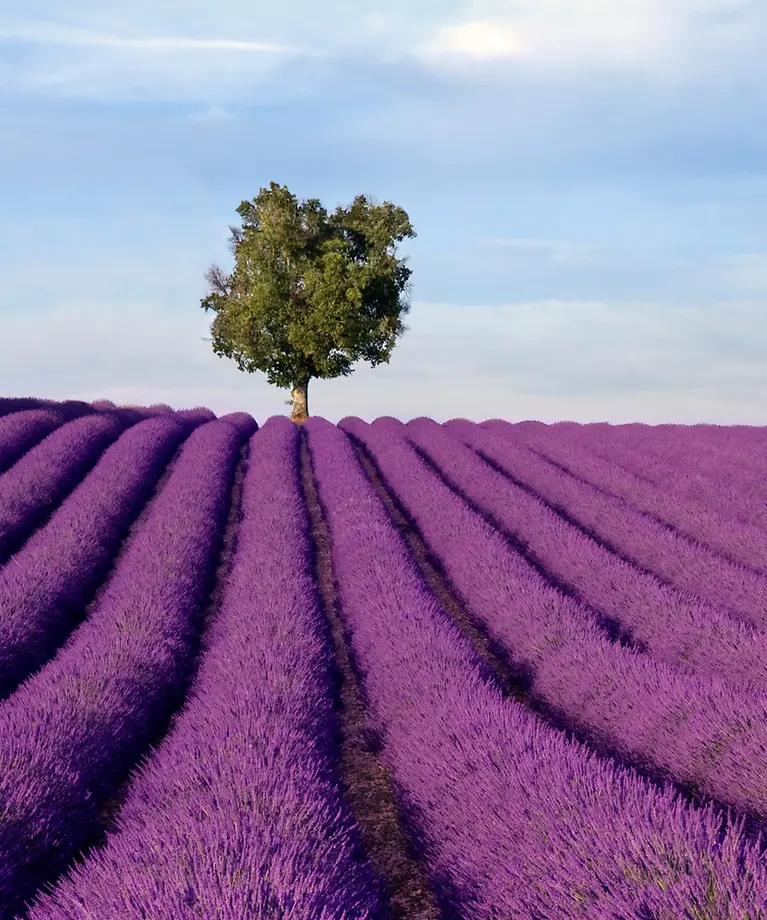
(310, 293)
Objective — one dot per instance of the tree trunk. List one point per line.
(300, 409)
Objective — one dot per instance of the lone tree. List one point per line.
(310, 293)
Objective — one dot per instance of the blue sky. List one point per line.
(587, 178)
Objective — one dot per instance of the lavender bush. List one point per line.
(20, 431)
(37, 482)
(516, 821)
(697, 732)
(731, 455)
(177, 741)
(10, 404)
(73, 731)
(745, 544)
(631, 534)
(45, 587)
(672, 625)
(701, 482)
(238, 813)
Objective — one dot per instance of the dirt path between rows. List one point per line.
(368, 786)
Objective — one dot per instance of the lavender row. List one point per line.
(242, 421)
(669, 624)
(700, 486)
(74, 731)
(11, 404)
(515, 820)
(698, 732)
(632, 535)
(668, 436)
(732, 462)
(195, 416)
(744, 544)
(67, 409)
(238, 813)
(731, 467)
(22, 430)
(46, 586)
(673, 436)
(48, 472)
(726, 460)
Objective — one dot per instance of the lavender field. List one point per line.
(373, 671)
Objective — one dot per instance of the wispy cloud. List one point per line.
(555, 250)
(47, 33)
(214, 113)
(54, 60)
(57, 60)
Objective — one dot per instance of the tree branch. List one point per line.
(218, 280)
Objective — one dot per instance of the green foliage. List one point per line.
(310, 293)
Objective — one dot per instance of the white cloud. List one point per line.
(482, 40)
(664, 36)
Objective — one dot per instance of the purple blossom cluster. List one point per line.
(73, 731)
(195, 416)
(730, 455)
(10, 404)
(697, 732)
(37, 482)
(19, 431)
(744, 544)
(46, 586)
(672, 625)
(701, 482)
(515, 820)
(636, 537)
(242, 421)
(238, 813)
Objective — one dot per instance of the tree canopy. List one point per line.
(311, 293)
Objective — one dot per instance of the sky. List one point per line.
(587, 179)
